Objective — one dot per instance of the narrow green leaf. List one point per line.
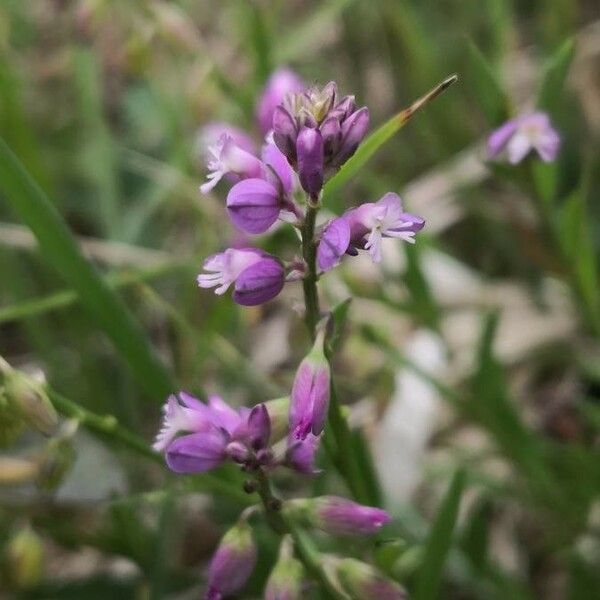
(555, 74)
(339, 315)
(439, 542)
(98, 152)
(576, 240)
(59, 248)
(487, 88)
(380, 136)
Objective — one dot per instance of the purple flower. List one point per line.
(334, 242)
(367, 225)
(340, 516)
(257, 275)
(254, 205)
(309, 399)
(364, 582)
(279, 171)
(281, 82)
(341, 127)
(309, 152)
(216, 432)
(523, 134)
(301, 454)
(285, 581)
(198, 452)
(211, 133)
(233, 562)
(227, 158)
(353, 130)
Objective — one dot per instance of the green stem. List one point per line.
(309, 253)
(283, 524)
(341, 451)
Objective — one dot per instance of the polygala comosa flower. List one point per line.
(364, 228)
(318, 132)
(519, 136)
(256, 275)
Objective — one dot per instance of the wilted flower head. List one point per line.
(215, 433)
(363, 582)
(232, 563)
(257, 276)
(364, 227)
(285, 581)
(340, 516)
(282, 82)
(318, 132)
(309, 399)
(523, 134)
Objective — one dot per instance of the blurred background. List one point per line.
(476, 349)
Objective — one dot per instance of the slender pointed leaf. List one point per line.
(59, 248)
(487, 88)
(439, 542)
(380, 136)
(555, 74)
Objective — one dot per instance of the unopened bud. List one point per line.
(30, 401)
(361, 581)
(285, 581)
(340, 516)
(232, 563)
(11, 423)
(55, 462)
(278, 410)
(25, 557)
(310, 392)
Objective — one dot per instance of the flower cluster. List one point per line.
(312, 133)
(308, 136)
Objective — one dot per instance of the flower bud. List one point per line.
(310, 392)
(340, 516)
(309, 149)
(232, 563)
(354, 129)
(253, 205)
(285, 133)
(363, 582)
(259, 427)
(25, 555)
(278, 410)
(285, 581)
(55, 462)
(11, 424)
(30, 401)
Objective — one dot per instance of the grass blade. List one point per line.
(555, 74)
(492, 98)
(58, 246)
(439, 541)
(380, 136)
